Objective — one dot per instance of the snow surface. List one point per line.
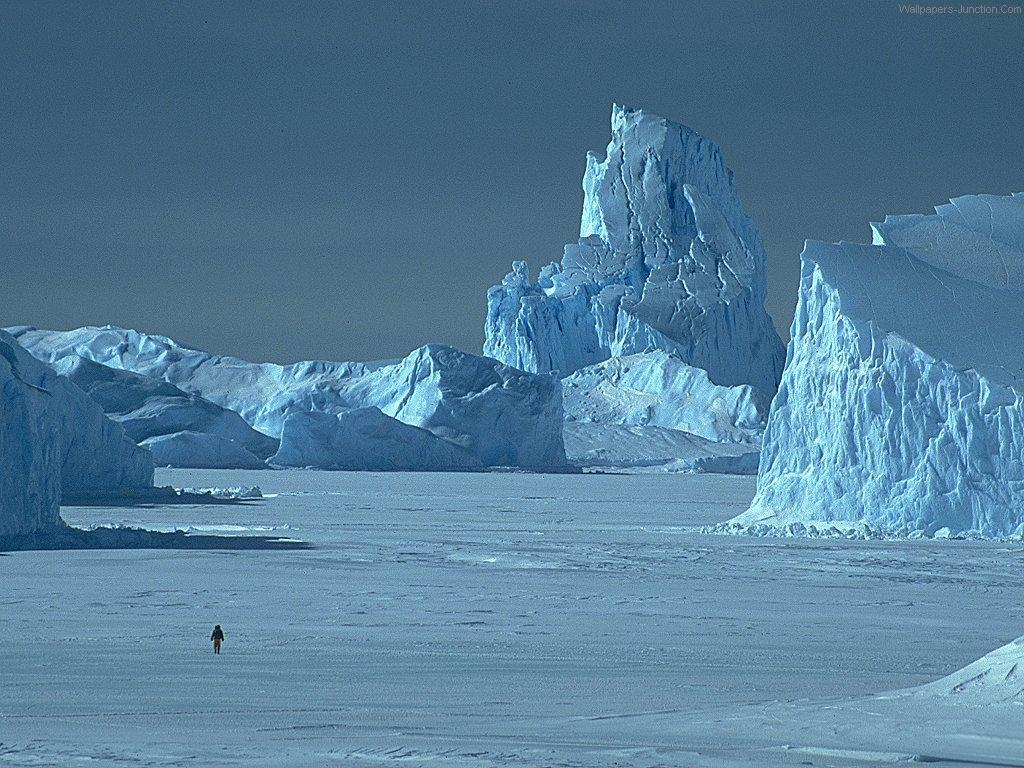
(503, 416)
(902, 403)
(365, 439)
(55, 443)
(154, 412)
(666, 260)
(490, 620)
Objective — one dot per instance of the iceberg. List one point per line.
(180, 429)
(365, 439)
(657, 389)
(666, 260)
(501, 415)
(55, 443)
(616, 446)
(200, 450)
(902, 403)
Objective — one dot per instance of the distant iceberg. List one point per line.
(902, 403)
(179, 429)
(499, 415)
(200, 450)
(365, 439)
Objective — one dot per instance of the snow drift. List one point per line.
(666, 260)
(502, 416)
(365, 439)
(902, 402)
(56, 443)
(995, 678)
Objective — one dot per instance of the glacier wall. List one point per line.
(29, 450)
(902, 402)
(56, 443)
(501, 415)
(666, 260)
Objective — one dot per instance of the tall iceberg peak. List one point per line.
(902, 402)
(666, 260)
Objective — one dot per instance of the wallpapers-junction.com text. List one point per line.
(962, 10)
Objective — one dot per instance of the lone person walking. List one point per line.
(218, 638)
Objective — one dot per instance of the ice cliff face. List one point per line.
(902, 402)
(365, 439)
(502, 416)
(55, 442)
(666, 260)
(29, 449)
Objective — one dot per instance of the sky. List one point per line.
(345, 180)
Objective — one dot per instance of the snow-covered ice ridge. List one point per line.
(902, 402)
(55, 442)
(499, 415)
(666, 260)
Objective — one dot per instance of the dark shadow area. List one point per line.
(152, 497)
(138, 538)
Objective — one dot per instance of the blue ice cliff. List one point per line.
(902, 403)
(56, 443)
(668, 274)
(496, 414)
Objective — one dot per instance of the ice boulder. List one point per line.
(56, 443)
(657, 389)
(501, 415)
(155, 413)
(666, 260)
(902, 403)
(365, 439)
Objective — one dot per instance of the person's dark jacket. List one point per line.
(218, 634)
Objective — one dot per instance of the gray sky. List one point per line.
(345, 180)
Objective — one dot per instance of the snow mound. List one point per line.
(55, 443)
(200, 450)
(902, 402)
(503, 416)
(624, 446)
(666, 260)
(149, 409)
(659, 390)
(365, 439)
(995, 678)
